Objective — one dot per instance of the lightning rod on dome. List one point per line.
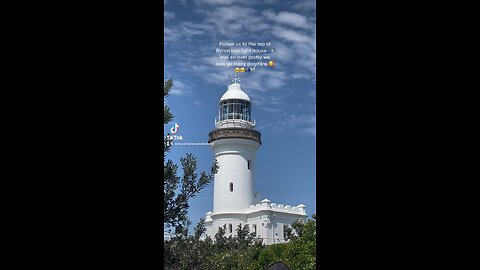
(235, 79)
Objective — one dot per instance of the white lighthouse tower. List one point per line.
(234, 143)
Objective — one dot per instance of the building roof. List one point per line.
(235, 92)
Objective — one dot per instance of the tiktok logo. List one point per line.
(174, 129)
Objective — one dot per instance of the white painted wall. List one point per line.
(241, 206)
(232, 155)
(269, 223)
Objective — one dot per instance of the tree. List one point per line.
(244, 251)
(300, 253)
(167, 115)
(200, 229)
(241, 251)
(220, 239)
(178, 190)
(288, 232)
(297, 226)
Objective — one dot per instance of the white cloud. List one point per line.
(168, 15)
(266, 102)
(302, 49)
(300, 76)
(308, 131)
(231, 21)
(304, 5)
(185, 31)
(269, 109)
(283, 52)
(218, 2)
(180, 88)
(303, 124)
(289, 18)
(290, 35)
(170, 34)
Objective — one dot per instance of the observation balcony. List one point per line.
(234, 120)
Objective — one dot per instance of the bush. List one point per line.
(242, 252)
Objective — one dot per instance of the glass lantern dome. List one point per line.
(235, 109)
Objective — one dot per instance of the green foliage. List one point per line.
(167, 115)
(200, 229)
(297, 227)
(300, 253)
(243, 251)
(178, 190)
(288, 232)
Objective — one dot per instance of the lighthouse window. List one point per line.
(231, 187)
(230, 228)
(248, 164)
(235, 109)
(255, 229)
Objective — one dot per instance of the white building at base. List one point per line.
(234, 143)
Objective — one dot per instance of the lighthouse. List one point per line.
(234, 142)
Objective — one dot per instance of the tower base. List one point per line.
(267, 220)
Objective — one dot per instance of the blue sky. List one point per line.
(283, 97)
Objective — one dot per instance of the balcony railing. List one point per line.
(233, 118)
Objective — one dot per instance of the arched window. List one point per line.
(230, 228)
(231, 187)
